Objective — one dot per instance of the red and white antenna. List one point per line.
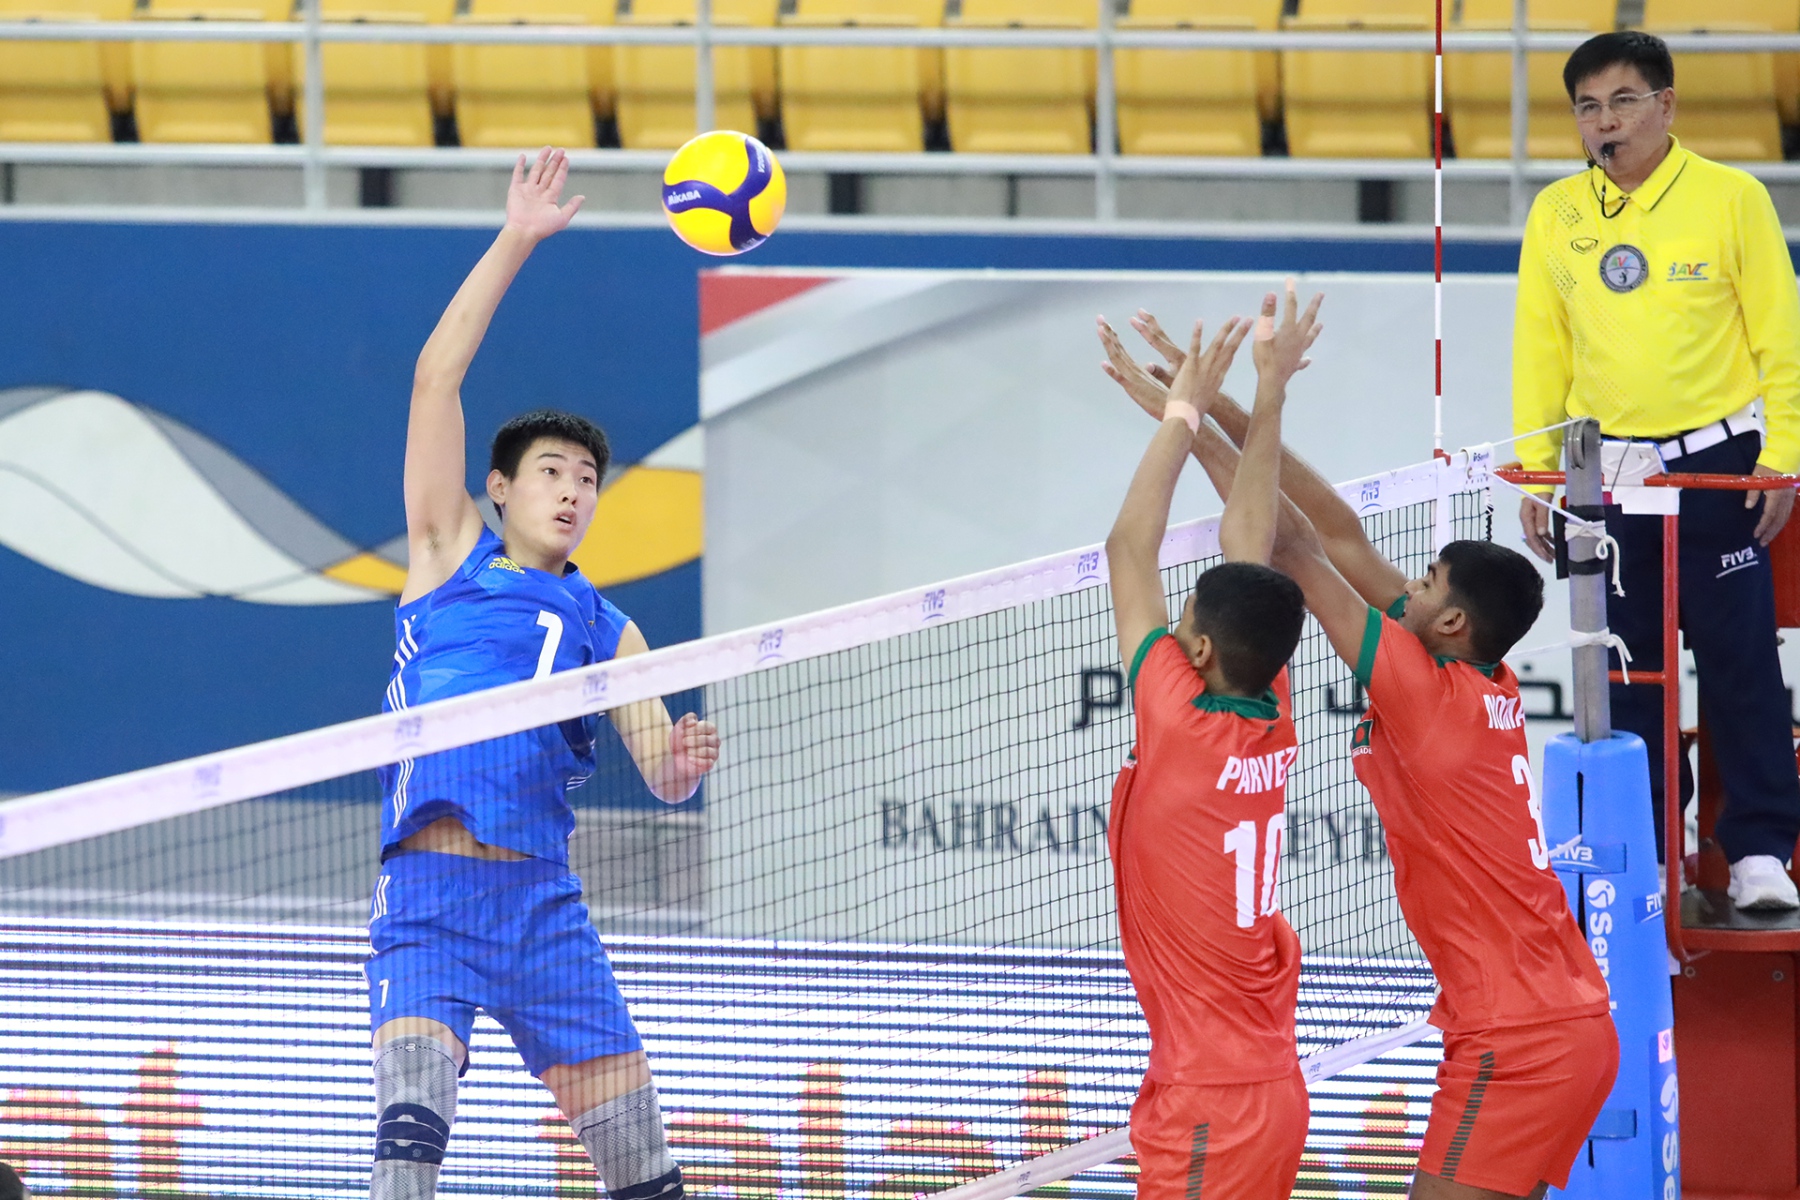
(1437, 286)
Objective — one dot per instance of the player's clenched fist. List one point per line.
(693, 746)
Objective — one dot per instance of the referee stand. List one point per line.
(1701, 977)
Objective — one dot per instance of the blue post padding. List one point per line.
(1596, 806)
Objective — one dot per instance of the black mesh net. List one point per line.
(876, 956)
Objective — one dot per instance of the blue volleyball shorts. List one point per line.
(454, 934)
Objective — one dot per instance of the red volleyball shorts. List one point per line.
(1514, 1105)
(1239, 1141)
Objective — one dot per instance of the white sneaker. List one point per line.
(1759, 881)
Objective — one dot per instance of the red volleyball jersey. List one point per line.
(1443, 754)
(1196, 838)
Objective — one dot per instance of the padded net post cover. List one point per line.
(876, 956)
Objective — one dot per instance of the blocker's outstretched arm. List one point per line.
(672, 756)
(442, 522)
(1336, 524)
(1133, 547)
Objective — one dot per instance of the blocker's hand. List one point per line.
(1280, 346)
(1151, 330)
(693, 747)
(1203, 373)
(1778, 506)
(532, 199)
(1130, 374)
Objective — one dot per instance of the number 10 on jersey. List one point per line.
(1241, 844)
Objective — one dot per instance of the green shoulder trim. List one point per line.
(1260, 708)
(1397, 609)
(1487, 669)
(1365, 658)
(1137, 660)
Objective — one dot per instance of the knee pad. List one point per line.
(624, 1137)
(415, 1097)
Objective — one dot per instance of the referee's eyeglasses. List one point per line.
(1624, 105)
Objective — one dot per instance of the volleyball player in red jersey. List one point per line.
(1530, 1051)
(1197, 819)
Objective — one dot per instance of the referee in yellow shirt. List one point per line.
(1656, 294)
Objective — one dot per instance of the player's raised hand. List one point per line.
(693, 747)
(533, 199)
(1202, 372)
(1280, 347)
(1151, 330)
(1149, 393)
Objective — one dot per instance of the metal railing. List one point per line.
(1105, 165)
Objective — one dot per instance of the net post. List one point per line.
(1587, 582)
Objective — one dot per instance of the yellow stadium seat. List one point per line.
(593, 12)
(1725, 103)
(926, 13)
(1779, 16)
(1478, 87)
(513, 97)
(278, 65)
(202, 91)
(655, 84)
(1718, 82)
(851, 98)
(1026, 101)
(1357, 104)
(52, 91)
(431, 12)
(376, 93)
(115, 57)
(1263, 15)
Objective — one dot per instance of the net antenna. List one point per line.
(877, 959)
(1437, 249)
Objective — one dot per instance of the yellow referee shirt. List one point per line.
(1673, 308)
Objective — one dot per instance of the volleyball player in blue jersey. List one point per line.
(476, 906)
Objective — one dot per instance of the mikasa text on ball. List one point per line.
(724, 192)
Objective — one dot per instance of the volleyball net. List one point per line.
(876, 956)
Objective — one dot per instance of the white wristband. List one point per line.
(1174, 409)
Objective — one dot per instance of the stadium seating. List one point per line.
(1356, 104)
(277, 56)
(1728, 106)
(856, 98)
(115, 57)
(851, 98)
(202, 91)
(593, 12)
(1197, 101)
(431, 12)
(655, 84)
(376, 94)
(1025, 101)
(52, 91)
(1478, 87)
(513, 96)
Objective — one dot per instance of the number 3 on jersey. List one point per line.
(1241, 843)
(1539, 845)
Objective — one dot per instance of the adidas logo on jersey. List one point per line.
(1262, 773)
(1505, 712)
(503, 563)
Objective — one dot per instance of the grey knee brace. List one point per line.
(415, 1101)
(624, 1137)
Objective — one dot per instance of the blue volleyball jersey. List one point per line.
(495, 622)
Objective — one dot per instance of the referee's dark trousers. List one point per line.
(1728, 618)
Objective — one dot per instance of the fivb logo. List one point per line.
(1505, 712)
(1260, 773)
